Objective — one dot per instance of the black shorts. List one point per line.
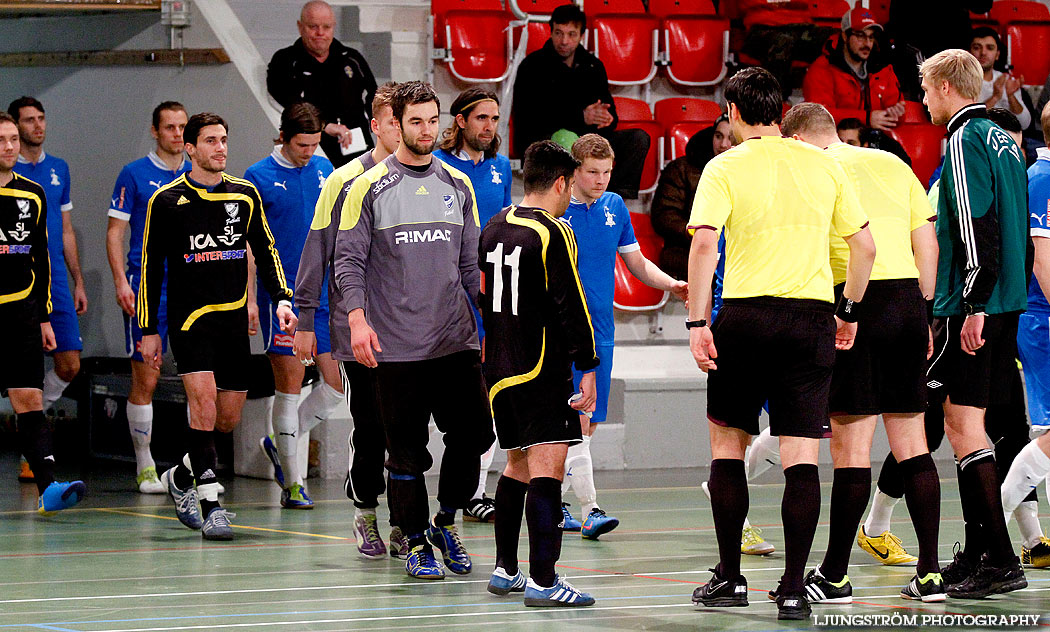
(23, 366)
(777, 350)
(980, 380)
(885, 371)
(526, 419)
(226, 355)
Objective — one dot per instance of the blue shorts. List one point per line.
(64, 321)
(1033, 347)
(280, 343)
(132, 333)
(602, 379)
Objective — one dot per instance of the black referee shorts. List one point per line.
(778, 350)
(23, 366)
(979, 380)
(885, 371)
(227, 355)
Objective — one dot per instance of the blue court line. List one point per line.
(301, 613)
(48, 626)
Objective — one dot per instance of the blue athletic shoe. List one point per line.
(270, 450)
(217, 526)
(501, 583)
(598, 524)
(562, 593)
(186, 507)
(421, 564)
(59, 496)
(295, 498)
(446, 539)
(568, 523)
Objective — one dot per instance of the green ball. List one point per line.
(565, 138)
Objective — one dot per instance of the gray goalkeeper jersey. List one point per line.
(406, 253)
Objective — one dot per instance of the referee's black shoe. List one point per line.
(988, 579)
(793, 607)
(719, 592)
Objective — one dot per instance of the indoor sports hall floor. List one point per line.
(121, 561)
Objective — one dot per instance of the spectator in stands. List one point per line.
(998, 89)
(1044, 97)
(673, 200)
(849, 131)
(333, 77)
(562, 92)
(780, 32)
(849, 81)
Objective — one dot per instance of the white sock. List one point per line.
(1027, 516)
(318, 406)
(186, 462)
(747, 523)
(53, 387)
(286, 434)
(140, 424)
(483, 477)
(1029, 468)
(268, 415)
(763, 454)
(360, 513)
(881, 513)
(579, 471)
(209, 491)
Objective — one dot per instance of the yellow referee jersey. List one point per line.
(778, 200)
(895, 203)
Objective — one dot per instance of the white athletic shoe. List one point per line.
(149, 482)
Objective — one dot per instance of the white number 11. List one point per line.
(497, 260)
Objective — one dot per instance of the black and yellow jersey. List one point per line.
(202, 237)
(534, 309)
(25, 269)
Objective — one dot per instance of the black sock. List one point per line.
(509, 506)
(204, 460)
(34, 440)
(850, 490)
(543, 514)
(979, 474)
(799, 510)
(182, 476)
(409, 506)
(729, 504)
(890, 480)
(445, 517)
(922, 492)
(973, 536)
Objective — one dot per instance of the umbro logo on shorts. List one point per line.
(934, 384)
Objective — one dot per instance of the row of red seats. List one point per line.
(1024, 26)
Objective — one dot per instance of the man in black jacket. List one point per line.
(564, 88)
(335, 78)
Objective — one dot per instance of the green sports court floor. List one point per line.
(121, 561)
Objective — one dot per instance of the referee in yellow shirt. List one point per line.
(885, 371)
(776, 334)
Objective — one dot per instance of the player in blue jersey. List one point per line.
(602, 225)
(290, 181)
(1032, 464)
(52, 173)
(470, 144)
(137, 182)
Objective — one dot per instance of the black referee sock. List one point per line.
(543, 514)
(799, 510)
(204, 460)
(409, 506)
(974, 543)
(729, 505)
(922, 492)
(978, 469)
(509, 507)
(891, 481)
(850, 490)
(34, 440)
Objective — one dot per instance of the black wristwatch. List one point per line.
(689, 324)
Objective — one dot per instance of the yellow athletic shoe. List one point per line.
(1038, 556)
(885, 547)
(752, 542)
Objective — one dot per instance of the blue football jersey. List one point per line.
(1039, 220)
(490, 179)
(135, 185)
(53, 174)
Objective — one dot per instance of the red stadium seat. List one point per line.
(678, 109)
(631, 294)
(665, 8)
(924, 143)
(679, 135)
(1028, 50)
(1006, 11)
(828, 12)
(627, 46)
(535, 7)
(635, 114)
(539, 33)
(914, 112)
(439, 8)
(697, 49)
(604, 7)
(476, 36)
(881, 10)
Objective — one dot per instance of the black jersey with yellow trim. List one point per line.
(25, 268)
(203, 238)
(534, 308)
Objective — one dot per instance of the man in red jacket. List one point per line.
(846, 81)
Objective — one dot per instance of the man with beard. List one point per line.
(998, 89)
(852, 84)
(470, 144)
(406, 263)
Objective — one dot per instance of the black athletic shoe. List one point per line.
(959, 568)
(820, 589)
(719, 592)
(792, 607)
(987, 579)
